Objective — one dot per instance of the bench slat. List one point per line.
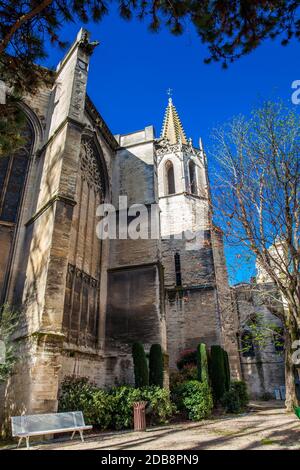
(54, 431)
(47, 423)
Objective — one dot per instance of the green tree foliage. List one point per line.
(12, 125)
(8, 356)
(156, 366)
(202, 363)
(227, 369)
(141, 373)
(229, 28)
(217, 371)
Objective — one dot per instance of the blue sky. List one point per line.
(131, 70)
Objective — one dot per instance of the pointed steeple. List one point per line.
(172, 127)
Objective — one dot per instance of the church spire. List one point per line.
(172, 127)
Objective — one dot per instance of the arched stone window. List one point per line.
(13, 174)
(247, 345)
(170, 178)
(193, 178)
(13, 171)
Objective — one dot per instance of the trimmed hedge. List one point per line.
(217, 372)
(202, 363)
(141, 373)
(227, 370)
(156, 366)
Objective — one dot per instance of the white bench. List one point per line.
(37, 425)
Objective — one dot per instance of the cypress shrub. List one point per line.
(141, 373)
(217, 370)
(202, 363)
(156, 366)
(227, 370)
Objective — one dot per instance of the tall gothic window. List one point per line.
(81, 309)
(170, 178)
(193, 179)
(13, 170)
(178, 270)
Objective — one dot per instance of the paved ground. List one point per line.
(265, 426)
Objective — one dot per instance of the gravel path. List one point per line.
(265, 426)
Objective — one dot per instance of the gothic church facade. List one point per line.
(83, 301)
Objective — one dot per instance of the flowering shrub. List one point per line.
(189, 372)
(187, 357)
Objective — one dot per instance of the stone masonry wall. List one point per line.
(265, 370)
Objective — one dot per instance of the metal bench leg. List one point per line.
(19, 442)
(81, 435)
(73, 433)
(27, 442)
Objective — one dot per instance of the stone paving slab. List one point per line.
(264, 427)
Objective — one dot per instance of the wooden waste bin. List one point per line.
(139, 415)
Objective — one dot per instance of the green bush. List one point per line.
(141, 373)
(159, 408)
(79, 394)
(202, 363)
(102, 408)
(114, 409)
(194, 398)
(124, 397)
(236, 398)
(217, 372)
(156, 366)
(231, 402)
(242, 391)
(189, 372)
(227, 370)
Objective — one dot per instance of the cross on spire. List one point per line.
(170, 93)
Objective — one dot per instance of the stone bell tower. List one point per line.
(182, 179)
(192, 250)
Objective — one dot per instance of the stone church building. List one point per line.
(84, 300)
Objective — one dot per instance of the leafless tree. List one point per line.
(256, 199)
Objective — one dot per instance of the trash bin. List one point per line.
(139, 415)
